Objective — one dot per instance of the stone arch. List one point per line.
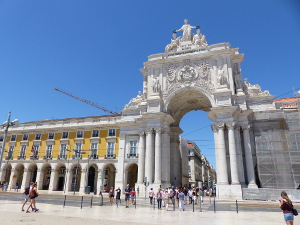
(60, 177)
(32, 172)
(188, 99)
(6, 172)
(45, 176)
(131, 172)
(75, 176)
(19, 172)
(92, 174)
(109, 175)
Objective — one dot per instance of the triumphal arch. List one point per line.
(193, 75)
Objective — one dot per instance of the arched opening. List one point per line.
(189, 108)
(33, 172)
(109, 176)
(7, 172)
(46, 170)
(61, 178)
(76, 177)
(92, 181)
(19, 171)
(132, 175)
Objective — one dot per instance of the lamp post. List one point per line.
(6, 125)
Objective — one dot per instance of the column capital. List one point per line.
(141, 132)
(246, 127)
(158, 130)
(149, 130)
(214, 128)
(220, 126)
(231, 125)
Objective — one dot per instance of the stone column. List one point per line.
(141, 161)
(232, 154)
(11, 182)
(52, 178)
(239, 155)
(24, 180)
(248, 157)
(120, 170)
(100, 181)
(83, 181)
(166, 157)
(39, 179)
(158, 156)
(222, 161)
(215, 130)
(149, 156)
(203, 172)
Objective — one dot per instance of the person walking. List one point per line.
(17, 187)
(5, 185)
(32, 195)
(111, 195)
(286, 206)
(132, 196)
(159, 198)
(118, 195)
(181, 200)
(201, 193)
(26, 193)
(127, 195)
(151, 195)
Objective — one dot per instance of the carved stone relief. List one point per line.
(197, 73)
(253, 90)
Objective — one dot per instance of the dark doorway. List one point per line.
(91, 178)
(34, 174)
(61, 182)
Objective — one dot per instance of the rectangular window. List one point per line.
(1, 138)
(13, 138)
(49, 151)
(65, 135)
(133, 148)
(95, 133)
(23, 151)
(295, 145)
(295, 136)
(10, 152)
(110, 149)
(25, 137)
(111, 132)
(94, 149)
(38, 137)
(79, 134)
(63, 151)
(51, 136)
(77, 152)
(262, 146)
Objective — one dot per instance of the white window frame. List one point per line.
(133, 148)
(110, 151)
(109, 132)
(23, 151)
(79, 133)
(97, 133)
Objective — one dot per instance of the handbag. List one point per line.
(295, 212)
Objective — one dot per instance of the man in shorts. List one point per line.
(26, 193)
(118, 195)
(127, 195)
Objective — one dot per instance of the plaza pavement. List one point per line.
(10, 214)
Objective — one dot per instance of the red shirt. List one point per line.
(286, 207)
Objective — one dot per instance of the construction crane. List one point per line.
(86, 101)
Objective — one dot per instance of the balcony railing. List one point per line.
(20, 157)
(9, 158)
(110, 156)
(77, 156)
(62, 157)
(34, 157)
(48, 157)
(93, 156)
(132, 155)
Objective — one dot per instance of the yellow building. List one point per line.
(65, 153)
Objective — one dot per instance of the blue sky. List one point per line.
(94, 49)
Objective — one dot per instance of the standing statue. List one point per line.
(187, 31)
(221, 77)
(156, 85)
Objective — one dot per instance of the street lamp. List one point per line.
(6, 125)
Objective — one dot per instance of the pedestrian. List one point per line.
(201, 193)
(17, 187)
(32, 195)
(5, 186)
(26, 193)
(127, 195)
(1, 185)
(111, 195)
(286, 206)
(159, 198)
(138, 191)
(190, 194)
(181, 200)
(151, 195)
(118, 195)
(132, 196)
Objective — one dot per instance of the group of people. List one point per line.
(130, 194)
(3, 186)
(31, 193)
(183, 196)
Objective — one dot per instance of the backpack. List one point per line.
(26, 192)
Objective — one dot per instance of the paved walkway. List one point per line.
(55, 214)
